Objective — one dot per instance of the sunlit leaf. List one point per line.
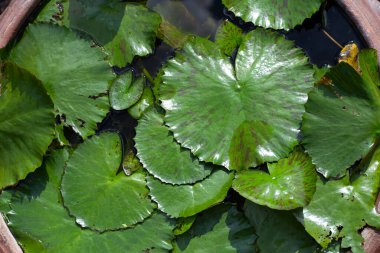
(237, 115)
(26, 124)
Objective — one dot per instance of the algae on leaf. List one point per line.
(74, 74)
(237, 115)
(96, 195)
(26, 124)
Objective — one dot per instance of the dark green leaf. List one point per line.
(229, 37)
(146, 101)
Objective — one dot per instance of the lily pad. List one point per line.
(342, 120)
(26, 124)
(187, 200)
(340, 208)
(237, 115)
(74, 74)
(278, 231)
(229, 37)
(145, 102)
(41, 224)
(290, 183)
(96, 195)
(162, 156)
(276, 14)
(56, 12)
(124, 29)
(221, 229)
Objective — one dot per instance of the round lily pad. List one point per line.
(96, 195)
(162, 156)
(290, 183)
(237, 115)
(26, 124)
(277, 14)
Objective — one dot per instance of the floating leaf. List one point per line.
(124, 93)
(26, 124)
(56, 12)
(289, 184)
(229, 37)
(124, 29)
(96, 195)
(38, 218)
(183, 224)
(146, 101)
(171, 35)
(74, 74)
(278, 231)
(162, 156)
(340, 208)
(221, 229)
(349, 54)
(237, 116)
(342, 120)
(276, 14)
(187, 200)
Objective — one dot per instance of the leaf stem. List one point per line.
(332, 38)
(148, 76)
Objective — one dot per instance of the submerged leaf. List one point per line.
(340, 208)
(277, 14)
(26, 124)
(146, 101)
(289, 184)
(237, 116)
(187, 200)
(221, 229)
(342, 120)
(96, 195)
(74, 74)
(229, 37)
(38, 219)
(162, 156)
(278, 231)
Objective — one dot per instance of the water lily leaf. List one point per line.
(60, 135)
(221, 229)
(369, 66)
(187, 200)
(278, 231)
(183, 224)
(124, 93)
(162, 156)
(228, 37)
(96, 195)
(56, 12)
(26, 124)
(342, 120)
(237, 115)
(340, 208)
(146, 101)
(124, 29)
(350, 54)
(276, 14)
(78, 88)
(38, 215)
(290, 183)
(172, 35)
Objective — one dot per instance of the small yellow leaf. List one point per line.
(349, 54)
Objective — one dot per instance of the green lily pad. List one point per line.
(26, 124)
(340, 208)
(290, 183)
(276, 14)
(342, 120)
(162, 156)
(183, 224)
(145, 102)
(124, 93)
(124, 29)
(229, 37)
(56, 12)
(187, 200)
(278, 231)
(221, 229)
(41, 224)
(74, 74)
(237, 115)
(96, 195)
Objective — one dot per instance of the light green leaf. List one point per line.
(124, 29)
(146, 101)
(96, 195)
(38, 216)
(124, 93)
(221, 229)
(342, 119)
(278, 231)
(277, 14)
(237, 115)
(187, 200)
(56, 12)
(340, 208)
(162, 156)
(26, 124)
(229, 37)
(74, 74)
(290, 183)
